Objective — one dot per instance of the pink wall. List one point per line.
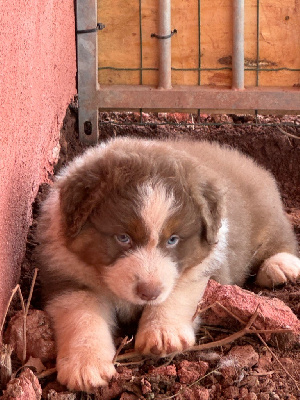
(37, 81)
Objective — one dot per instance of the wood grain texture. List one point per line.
(120, 42)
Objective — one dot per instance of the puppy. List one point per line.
(136, 227)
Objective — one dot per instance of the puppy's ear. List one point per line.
(212, 208)
(209, 197)
(79, 194)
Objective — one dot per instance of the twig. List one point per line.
(123, 343)
(127, 356)
(14, 291)
(279, 362)
(25, 312)
(286, 133)
(24, 324)
(248, 329)
(31, 289)
(202, 310)
(265, 373)
(228, 339)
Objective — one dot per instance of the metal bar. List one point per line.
(199, 51)
(257, 43)
(87, 65)
(127, 97)
(199, 42)
(257, 50)
(164, 27)
(141, 53)
(238, 45)
(141, 42)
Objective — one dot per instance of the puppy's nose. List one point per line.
(148, 291)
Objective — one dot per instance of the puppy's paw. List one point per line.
(163, 339)
(278, 269)
(84, 371)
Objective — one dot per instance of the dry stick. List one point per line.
(31, 289)
(24, 309)
(25, 312)
(123, 343)
(222, 342)
(247, 329)
(228, 339)
(286, 133)
(209, 345)
(277, 359)
(201, 311)
(279, 330)
(24, 324)
(14, 291)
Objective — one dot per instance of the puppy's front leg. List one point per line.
(85, 348)
(169, 327)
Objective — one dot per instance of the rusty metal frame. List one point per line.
(235, 99)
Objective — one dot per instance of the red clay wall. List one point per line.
(37, 81)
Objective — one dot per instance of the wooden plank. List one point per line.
(127, 97)
(279, 42)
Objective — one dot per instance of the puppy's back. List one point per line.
(258, 201)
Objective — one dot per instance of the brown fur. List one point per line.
(225, 211)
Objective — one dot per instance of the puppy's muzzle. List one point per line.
(148, 291)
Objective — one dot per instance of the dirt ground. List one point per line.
(267, 370)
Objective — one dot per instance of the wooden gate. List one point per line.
(237, 56)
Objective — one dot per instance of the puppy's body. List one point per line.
(139, 227)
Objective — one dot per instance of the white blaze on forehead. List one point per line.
(157, 206)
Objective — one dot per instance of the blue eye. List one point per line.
(173, 240)
(123, 239)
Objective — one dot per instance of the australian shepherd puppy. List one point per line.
(135, 229)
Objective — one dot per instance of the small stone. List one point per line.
(244, 392)
(194, 393)
(146, 386)
(251, 396)
(39, 335)
(128, 396)
(191, 371)
(168, 370)
(25, 387)
(53, 395)
(229, 372)
(232, 392)
(274, 396)
(250, 381)
(246, 356)
(288, 363)
(272, 313)
(263, 396)
(264, 362)
(124, 373)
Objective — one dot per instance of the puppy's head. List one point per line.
(140, 216)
